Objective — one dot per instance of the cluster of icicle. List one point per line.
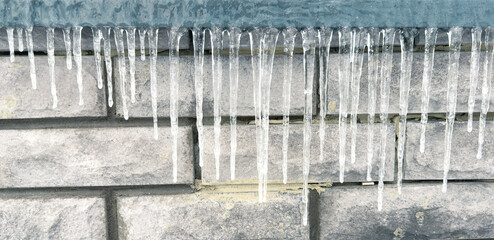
(354, 44)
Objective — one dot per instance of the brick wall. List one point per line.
(82, 172)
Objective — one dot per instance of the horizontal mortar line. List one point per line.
(412, 182)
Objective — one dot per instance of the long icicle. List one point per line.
(373, 37)
(430, 46)
(78, 60)
(474, 73)
(68, 46)
(407, 37)
(30, 54)
(97, 36)
(325, 36)
(309, 44)
(288, 46)
(344, 35)
(153, 56)
(10, 37)
(454, 35)
(217, 46)
(107, 52)
(486, 85)
(20, 39)
(119, 42)
(234, 37)
(142, 41)
(131, 50)
(386, 69)
(50, 49)
(198, 41)
(356, 59)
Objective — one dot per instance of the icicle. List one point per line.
(407, 37)
(198, 41)
(430, 46)
(234, 36)
(119, 42)
(153, 52)
(386, 69)
(142, 36)
(217, 46)
(474, 73)
(309, 45)
(30, 54)
(107, 51)
(454, 36)
(78, 60)
(131, 49)
(344, 35)
(373, 74)
(68, 46)
(50, 49)
(288, 46)
(97, 54)
(486, 85)
(20, 39)
(325, 37)
(10, 36)
(356, 59)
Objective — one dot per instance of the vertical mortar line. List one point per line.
(111, 214)
(314, 217)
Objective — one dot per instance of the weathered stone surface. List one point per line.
(206, 215)
(464, 163)
(186, 101)
(92, 157)
(421, 212)
(19, 100)
(39, 40)
(320, 171)
(438, 90)
(52, 218)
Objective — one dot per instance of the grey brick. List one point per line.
(92, 157)
(464, 164)
(19, 100)
(438, 85)
(186, 103)
(206, 215)
(421, 212)
(320, 171)
(52, 218)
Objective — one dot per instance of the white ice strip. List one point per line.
(429, 48)
(344, 35)
(50, 49)
(142, 41)
(386, 69)
(309, 44)
(30, 54)
(288, 46)
(76, 31)
(373, 36)
(324, 36)
(357, 58)
(131, 50)
(20, 39)
(153, 48)
(234, 40)
(217, 47)
(97, 36)
(454, 35)
(68, 46)
(407, 37)
(474, 72)
(108, 64)
(10, 37)
(486, 85)
(198, 41)
(122, 69)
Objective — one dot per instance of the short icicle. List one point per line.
(97, 36)
(454, 35)
(486, 85)
(234, 37)
(325, 36)
(430, 46)
(20, 39)
(107, 52)
(76, 31)
(10, 37)
(198, 41)
(474, 73)
(68, 46)
(122, 69)
(131, 50)
(142, 41)
(407, 37)
(344, 35)
(288, 46)
(50, 49)
(217, 47)
(386, 69)
(30, 54)
(153, 56)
